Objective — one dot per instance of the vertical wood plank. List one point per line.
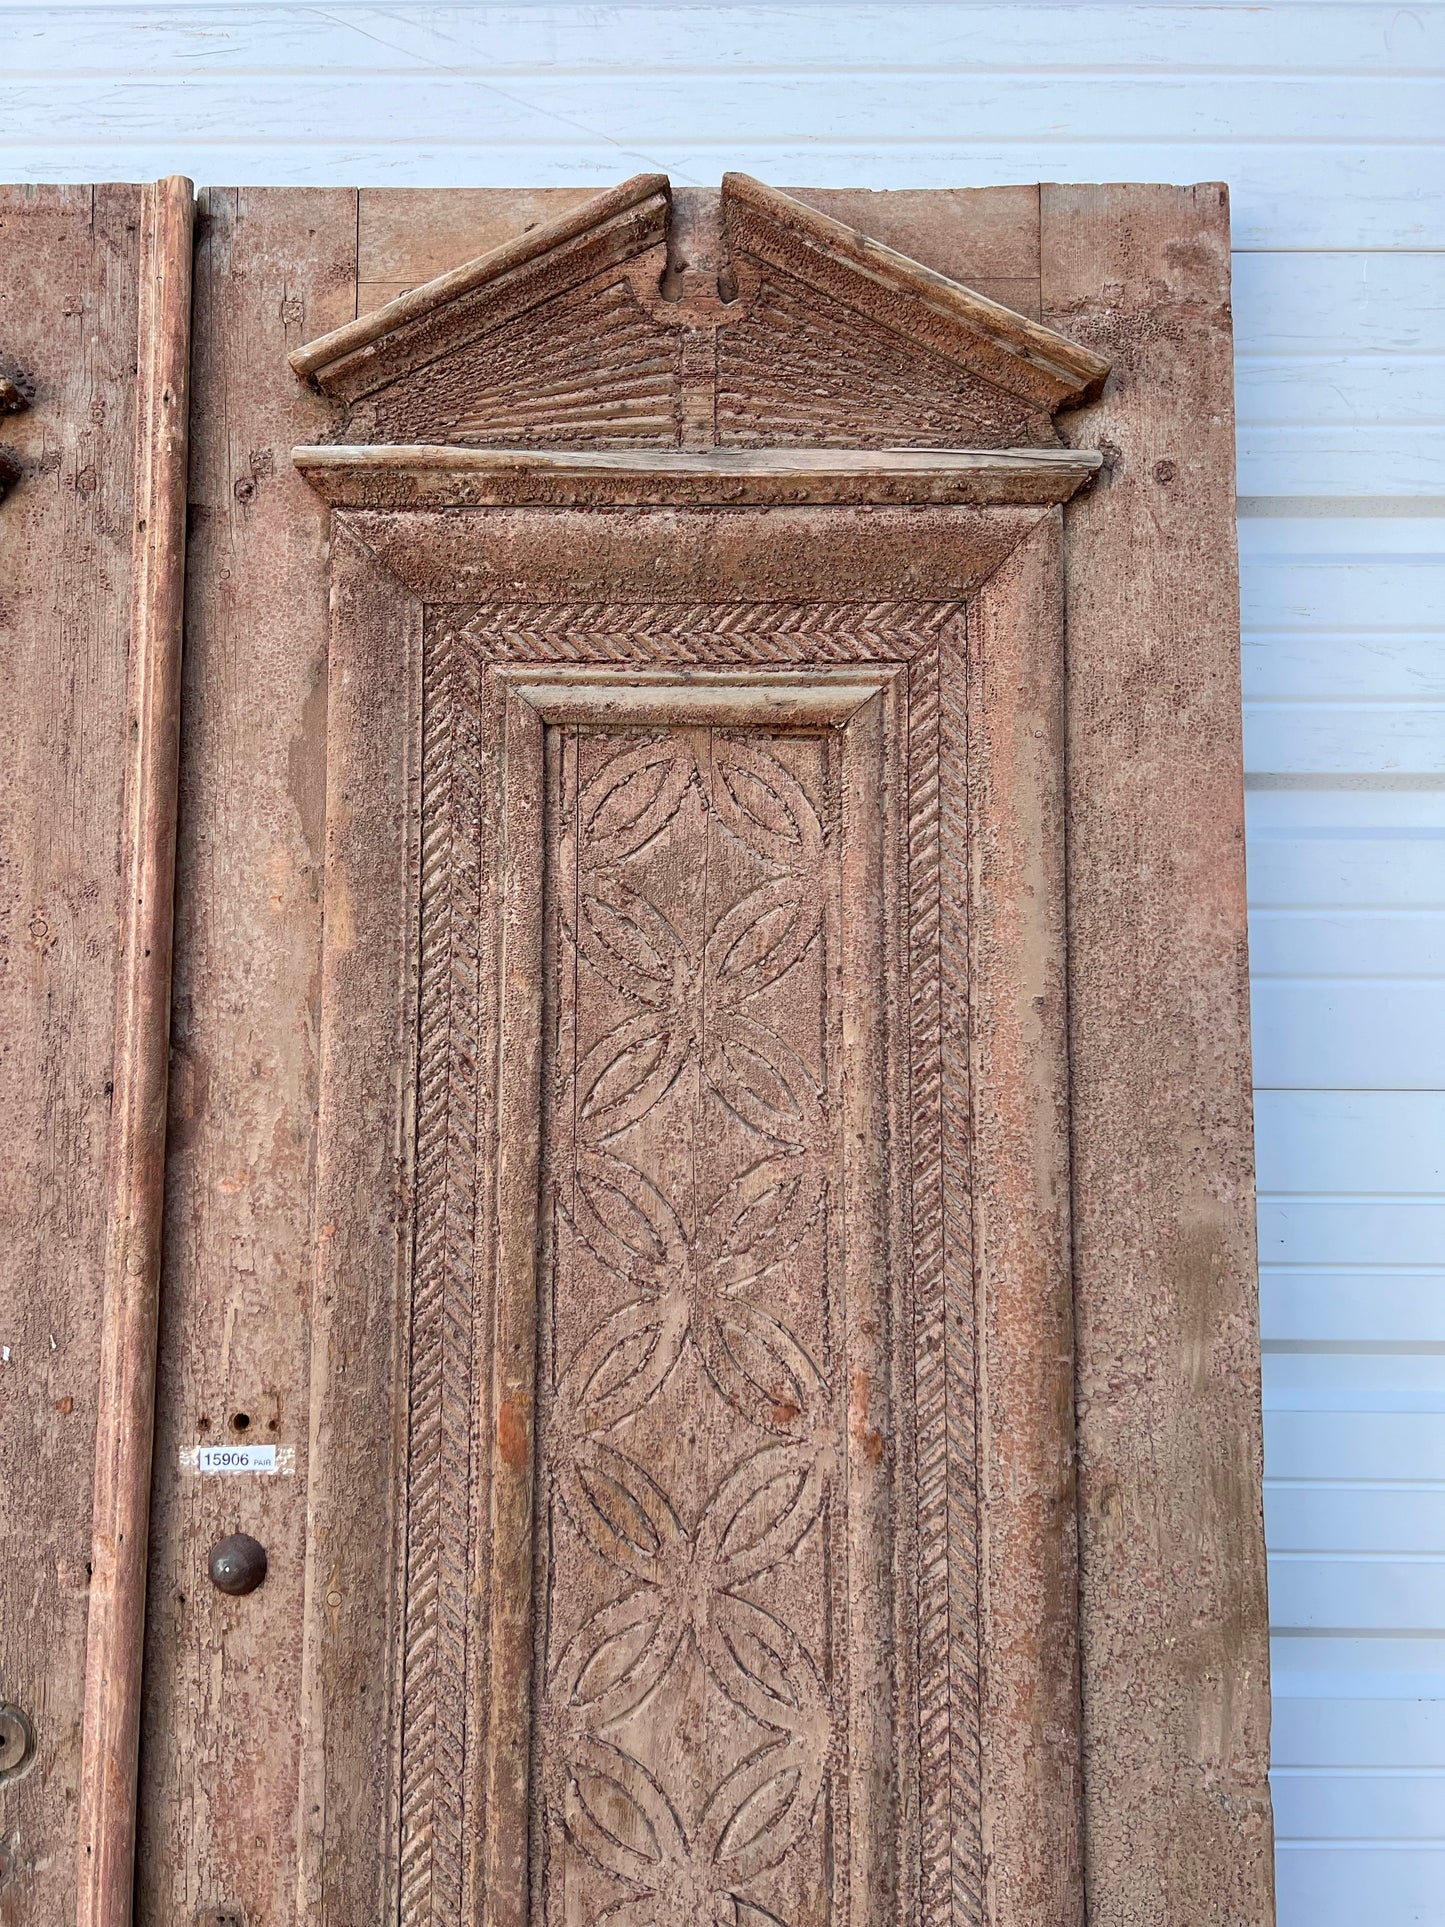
(1175, 1660)
(1028, 1598)
(221, 1740)
(68, 272)
(125, 1401)
(349, 1719)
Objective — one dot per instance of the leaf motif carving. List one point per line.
(623, 1218)
(762, 937)
(619, 1815)
(633, 798)
(698, 1267)
(628, 1071)
(626, 939)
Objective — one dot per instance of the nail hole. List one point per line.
(241, 1422)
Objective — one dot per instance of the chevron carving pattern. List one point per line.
(671, 1223)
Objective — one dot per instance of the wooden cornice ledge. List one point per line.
(433, 476)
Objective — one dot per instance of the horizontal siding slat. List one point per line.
(1359, 1732)
(1317, 1141)
(1357, 1231)
(1402, 872)
(1337, 1305)
(1342, 459)
(1364, 1595)
(1357, 1806)
(1367, 943)
(1344, 665)
(1405, 592)
(1283, 194)
(1329, 737)
(1317, 1035)
(1320, 389)
(1365, 1886)
(1344, 1519)
(1365, 303)
(171, 41)
(1402, 1666)
(1390, 1446)
(1186, 111)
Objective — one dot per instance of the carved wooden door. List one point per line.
(622, 1141)
(696, 839)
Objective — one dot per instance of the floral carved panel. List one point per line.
(723, 1313)
(693, 1436)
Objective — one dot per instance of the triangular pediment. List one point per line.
(740, 319)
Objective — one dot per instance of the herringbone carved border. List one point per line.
(460, 642)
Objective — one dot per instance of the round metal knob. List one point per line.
(238, 1563)
(17, 1742)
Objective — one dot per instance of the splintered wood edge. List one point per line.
(1079, 371)
(431, 476)
(311, 361)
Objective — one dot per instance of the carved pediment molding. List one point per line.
(1037, 364)
(450, 312)
(644, 319)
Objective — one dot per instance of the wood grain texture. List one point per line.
(221, 1739)
(1019, 1092)
(352, 1723)
(69, 261)
(388, 475)
(467, 1825)
(639, 318)
(1173, 1611)
(130, 1304)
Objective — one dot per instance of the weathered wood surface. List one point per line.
(240, 1180)
(1175, 1659)
(1012, 919)
(440, 1748)
(130, 1305)
(221, 1743)
(390, 476)
(68, 262)
(647, 317)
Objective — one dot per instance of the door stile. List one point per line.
(126, 1395)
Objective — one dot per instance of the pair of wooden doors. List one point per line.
(688, 1111)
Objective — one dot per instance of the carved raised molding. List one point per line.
(739, 319)
(695, 765)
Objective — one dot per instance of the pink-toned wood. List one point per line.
(221, 1738)
(383, 1252)
(125, 1404)
(502, 1892)
(1019, 1107)
(985, 237)
(511, 566)
(423, 476)
(639, 319)
(68, 270)
(1172, 1596)
(477, 1491)
(567, 582)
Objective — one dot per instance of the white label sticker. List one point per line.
(238, 1458)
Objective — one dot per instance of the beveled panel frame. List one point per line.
(984, 1685)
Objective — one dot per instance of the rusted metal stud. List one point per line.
(238, 1563)
(17, 1742)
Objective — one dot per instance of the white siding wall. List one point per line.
(1328, 121)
